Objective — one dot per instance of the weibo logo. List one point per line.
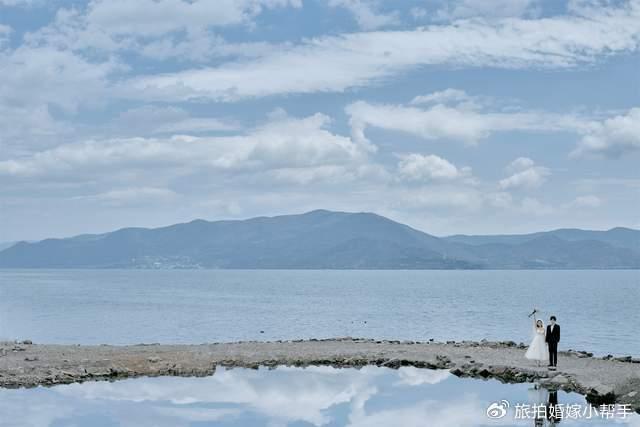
(498, 410)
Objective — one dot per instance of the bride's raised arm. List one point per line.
(534, 323)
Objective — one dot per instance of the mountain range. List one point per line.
(324, 239)
(5, 245)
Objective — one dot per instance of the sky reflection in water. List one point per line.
(315, 396)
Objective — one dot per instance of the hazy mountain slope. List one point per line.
(549, 251)
(619, 237)
(318, 239)
(5, 245)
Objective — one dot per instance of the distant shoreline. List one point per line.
(601, 380)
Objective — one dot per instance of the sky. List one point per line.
(463, 116)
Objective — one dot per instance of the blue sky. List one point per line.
(466, 116)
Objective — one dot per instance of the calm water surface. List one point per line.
(316, 396)
(598, 310)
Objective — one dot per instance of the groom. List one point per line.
(553, 338)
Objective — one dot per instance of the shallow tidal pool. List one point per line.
(313, 396)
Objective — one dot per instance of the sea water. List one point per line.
(597, 310)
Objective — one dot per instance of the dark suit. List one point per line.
(553, 338)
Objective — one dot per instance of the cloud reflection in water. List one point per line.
(313, 396)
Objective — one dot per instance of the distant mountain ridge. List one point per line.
(620, 237)
(5, 245)
(325, 240)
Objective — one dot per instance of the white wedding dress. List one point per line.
(538, 349)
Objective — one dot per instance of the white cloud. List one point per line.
(158, 29)
(607, 184)
(199, 45)
(157, 17)
(169, 120)
(38, 80)
(463, 413)
(418, 167)
(140, 196)
(486, 8)
(418, 13)
(58, 142)
(448, 122)
(533, 206)
(446, 198)
(524, 175)
(412, 376)
(336, 63)
(28, 127)
(197, 125)
(5, 32)
(520, 164)
(529, 178)
(612, 137)
(588, 201)
(283, 400)
(17, 2)
(44, 75)
(453, 114)
(443, 97)
(365, 13)
(500, 200)
(330, 174)
(284, 143)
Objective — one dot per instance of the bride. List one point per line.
(538, 350)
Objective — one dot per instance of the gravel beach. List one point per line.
(601, 380)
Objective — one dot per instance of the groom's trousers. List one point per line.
(553, 353)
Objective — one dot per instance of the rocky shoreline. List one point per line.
(601, 380)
